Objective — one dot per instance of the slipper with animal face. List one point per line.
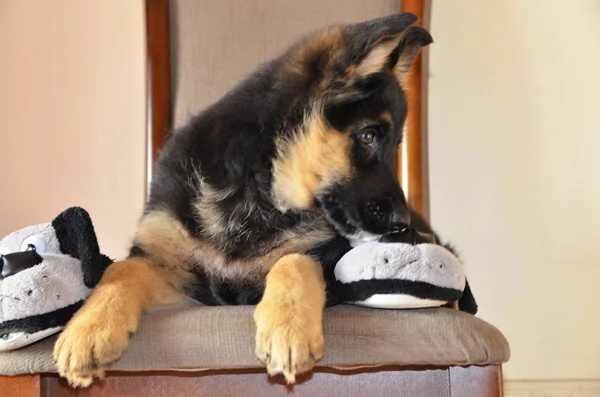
(401, 271)
(46, 272)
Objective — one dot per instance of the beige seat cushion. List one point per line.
(197, 338)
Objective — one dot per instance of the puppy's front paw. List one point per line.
(95, 338)
(289, 340)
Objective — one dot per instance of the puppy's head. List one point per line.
(341, 159)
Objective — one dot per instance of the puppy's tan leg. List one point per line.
(289, 318)
(99, 332)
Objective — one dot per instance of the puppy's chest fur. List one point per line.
(221, 240)
(248, 237)
(244, 226)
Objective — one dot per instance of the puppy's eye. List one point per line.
(367, 137)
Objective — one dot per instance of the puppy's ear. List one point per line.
(389, 42)
(403, 56)
(372, 42)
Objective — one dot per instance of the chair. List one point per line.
(196, 50)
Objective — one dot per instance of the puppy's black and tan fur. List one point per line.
(253, 196)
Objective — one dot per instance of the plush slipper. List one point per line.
(46, 272)
(403, 270)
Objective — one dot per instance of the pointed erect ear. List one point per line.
(372, 42)
(403, 56)
(377, 58)
(77, 238)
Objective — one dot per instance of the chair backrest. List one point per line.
(199, 49)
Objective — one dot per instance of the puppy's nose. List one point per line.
(399, 219)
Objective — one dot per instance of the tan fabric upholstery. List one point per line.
(196, 338)
(217, 43)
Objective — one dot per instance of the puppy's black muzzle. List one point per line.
(16, 262)
(386, 215)
(381, 203)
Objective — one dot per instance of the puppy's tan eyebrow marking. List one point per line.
(386, 116)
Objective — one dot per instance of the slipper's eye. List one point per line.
(34, 243)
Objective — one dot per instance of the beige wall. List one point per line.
(72, 108)
(515, 171)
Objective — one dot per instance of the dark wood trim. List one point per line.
(21, 386)
(158, 72)
(399, 157)
(324, 381)
(414, 138)
(500, 381)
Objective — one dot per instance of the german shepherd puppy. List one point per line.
(250, 197)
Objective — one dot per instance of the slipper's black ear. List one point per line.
(467, 302)
(328, 255)
(77, 238)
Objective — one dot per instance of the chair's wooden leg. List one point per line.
(21, 386)
(476, 381)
